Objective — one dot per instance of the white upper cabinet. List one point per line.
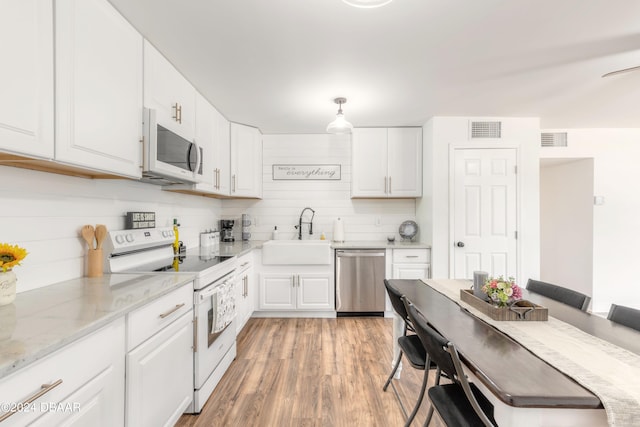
(212, 133)
(222, 154)
(387, 163)
(369, 163)
(246, 161)
(26, 77)
(204, 137)
(169, 93)
(98, 88)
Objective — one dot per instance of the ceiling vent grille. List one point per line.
(486, 129)
(554, 139)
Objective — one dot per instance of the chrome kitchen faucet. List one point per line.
(300, 222)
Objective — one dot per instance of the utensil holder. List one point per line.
(94, 263)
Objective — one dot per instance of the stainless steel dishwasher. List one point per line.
(360, 282)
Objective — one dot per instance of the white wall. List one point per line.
(616, 224)
(440, 135)
(284, 200)
(44, 212)
(566, 223)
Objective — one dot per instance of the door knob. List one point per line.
(460, 244)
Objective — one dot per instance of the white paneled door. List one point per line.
(484, 212)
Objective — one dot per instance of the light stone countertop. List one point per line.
(379, 245)
(44, 320)
(240, 248)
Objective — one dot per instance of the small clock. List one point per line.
(408, 230)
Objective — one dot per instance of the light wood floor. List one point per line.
(312, 372)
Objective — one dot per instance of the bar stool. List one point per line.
(567, 296)
(627, 316)
(411, 346)
(460, 403)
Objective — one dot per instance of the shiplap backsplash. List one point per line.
(283, 201)
(44, 212)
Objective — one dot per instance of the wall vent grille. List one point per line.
(486, 129)
(554, 139)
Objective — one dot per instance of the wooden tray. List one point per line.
(538, 312)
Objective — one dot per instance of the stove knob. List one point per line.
(129, 237)
(164, 234)
(119, 239)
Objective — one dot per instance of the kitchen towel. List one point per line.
(224, 307)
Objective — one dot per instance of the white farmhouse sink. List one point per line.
(287, 252)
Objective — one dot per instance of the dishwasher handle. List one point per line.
(359, 254)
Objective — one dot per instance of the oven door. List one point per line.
(215, 327)
(169, 155)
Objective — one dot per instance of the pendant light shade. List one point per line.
(367, 4)
(340, 125)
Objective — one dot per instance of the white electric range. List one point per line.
(151, 251)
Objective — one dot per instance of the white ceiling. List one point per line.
(278, 64)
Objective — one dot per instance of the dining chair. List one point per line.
(626, 316)
(411, 346)
(459, 403)
(567, 296)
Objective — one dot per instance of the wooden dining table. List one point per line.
(525, 390)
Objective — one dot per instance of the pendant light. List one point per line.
(340, 125)
(367, 4)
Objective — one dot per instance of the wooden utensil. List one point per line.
(89, 234)
(101, 233)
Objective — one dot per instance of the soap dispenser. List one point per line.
(274, 234)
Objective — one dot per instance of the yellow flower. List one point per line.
(10, 256)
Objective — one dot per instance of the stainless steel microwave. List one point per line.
(168, 158)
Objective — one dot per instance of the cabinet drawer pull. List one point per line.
(173, 310)
(244, 263)
(44, 389)
(175, 112)
(389, 185)
(233, 183)
(385, 185)
(411, 256)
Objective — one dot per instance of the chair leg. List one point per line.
(393, 372)
(421, 396)
(430, 413)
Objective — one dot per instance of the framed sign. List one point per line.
(306, 172)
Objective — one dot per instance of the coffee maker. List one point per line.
(226, 230)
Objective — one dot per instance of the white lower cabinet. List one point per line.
(159, 385)
(80, 385)
(411, 263)
(244, 291)
(296, 291)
